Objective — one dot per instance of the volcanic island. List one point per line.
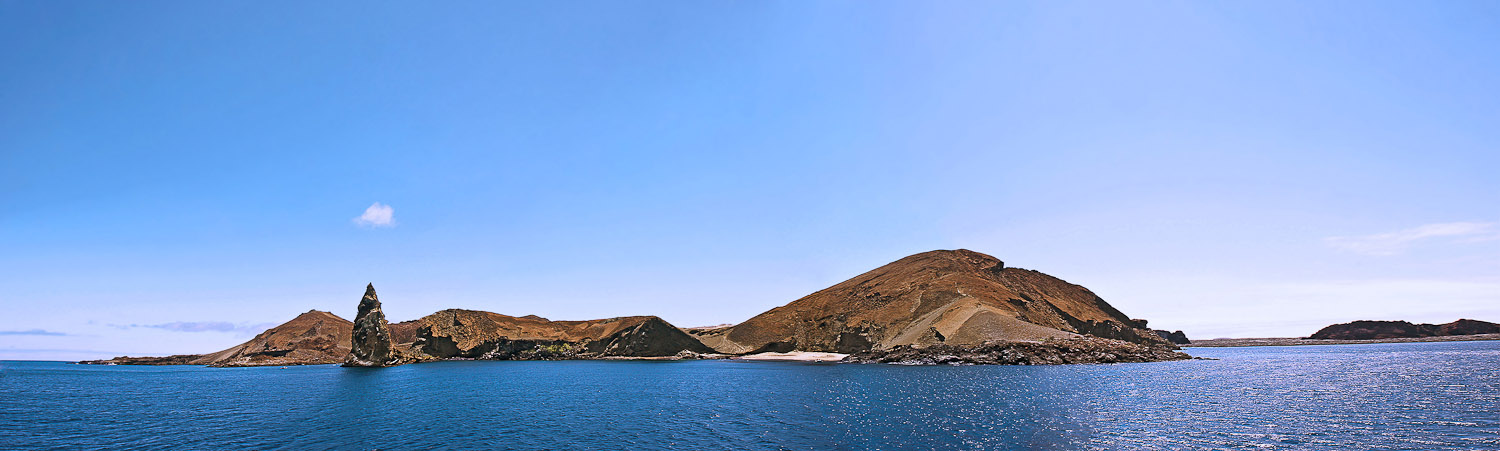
(937, 307)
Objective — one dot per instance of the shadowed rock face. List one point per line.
(956, 297)
(371, 341)
(651, 337)
(311, 338)
(1374, 330)
(1175, 337)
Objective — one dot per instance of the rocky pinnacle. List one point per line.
(371, 345)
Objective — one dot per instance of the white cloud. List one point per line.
(31, 332)
(378, 215)
(1392, 243)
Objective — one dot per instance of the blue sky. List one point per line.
(175, 176)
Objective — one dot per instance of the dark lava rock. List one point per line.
(1375, 330)
(1048, 352)
(1468, 327)
(1175, 337)
(1370, 330)
(371, 345)
(651, 338)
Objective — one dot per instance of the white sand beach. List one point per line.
(796, 356)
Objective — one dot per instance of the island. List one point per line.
(937, 307)
(1366, 332)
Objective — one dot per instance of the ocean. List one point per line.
(1417, 396)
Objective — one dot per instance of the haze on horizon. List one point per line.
(177, 176)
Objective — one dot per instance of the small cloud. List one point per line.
(32, 332)
(378, 215)
(205, 326)
(1392, 243)
(193, 326)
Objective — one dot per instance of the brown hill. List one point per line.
(1468, 327)
(1374, 330)
(957, 297)
(311, 338)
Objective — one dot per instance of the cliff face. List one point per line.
(1177, 337)
(957, 297)
(370, 343)
(1373, 330)
(485, 335)
(311, 338)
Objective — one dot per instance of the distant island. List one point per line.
(1375, 330)
(945, 306)
(1362, 332)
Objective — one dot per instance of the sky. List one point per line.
(177, 176)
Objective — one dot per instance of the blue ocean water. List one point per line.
(1418, 396)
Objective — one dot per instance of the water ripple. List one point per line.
(1427, 396)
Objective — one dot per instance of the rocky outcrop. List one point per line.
(1177, 337)
(457, 333)
(312, 338)
(1375, 330)
(948, 297)
(370, 344)
(1046, 352)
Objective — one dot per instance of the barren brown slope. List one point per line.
(315, 337)
(956, 297)
(486, 335)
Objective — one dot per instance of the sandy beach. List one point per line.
(797, 356)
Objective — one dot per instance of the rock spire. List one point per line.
(371, 344)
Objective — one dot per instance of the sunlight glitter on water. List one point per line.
(1435, 396)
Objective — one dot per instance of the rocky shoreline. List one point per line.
(1047, 352)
